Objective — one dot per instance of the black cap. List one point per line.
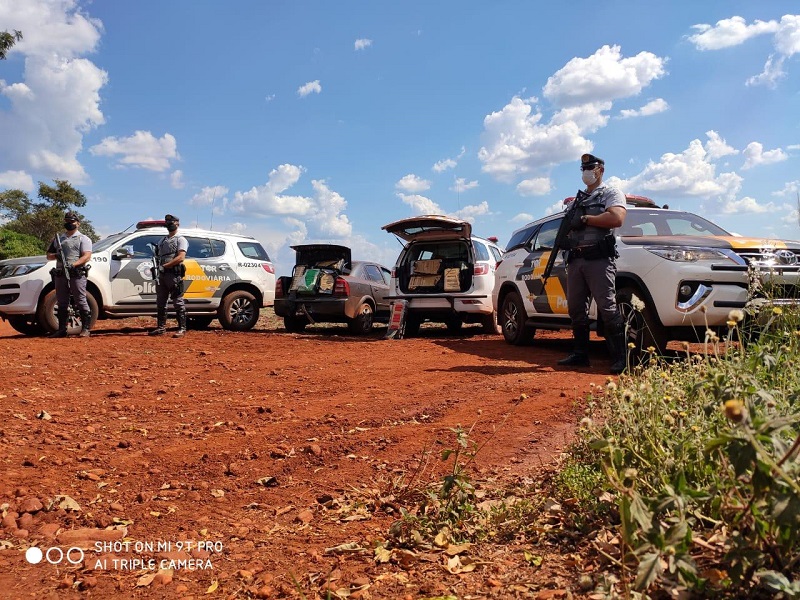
(172, 218)
(71, 216)
(590, 160)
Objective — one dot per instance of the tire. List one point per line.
(199, 322)
(47, 318)
(411, 325)
(454, 325)
(295, 324)
(239, 311)
(361, 324)
(642, 328)
(512, 319)
(24, 326)
(489, 324)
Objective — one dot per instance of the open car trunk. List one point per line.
(316, 268)
(436, 268)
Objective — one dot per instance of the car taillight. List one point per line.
(341, 288)
(497, 264)
(481, 269)
(268, 267)
(279, 289)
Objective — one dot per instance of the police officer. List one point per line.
(72, 251)
(591, 265)
(170, 271)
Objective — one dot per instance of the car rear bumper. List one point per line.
(433, 303)
(322, 309)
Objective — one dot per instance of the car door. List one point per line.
(552, 299)
(378, 281)
(129, 271)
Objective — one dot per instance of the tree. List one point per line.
(42, 220)
(7, 40)
(13, 244)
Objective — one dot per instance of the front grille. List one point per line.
(767, 257)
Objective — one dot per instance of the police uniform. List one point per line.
(70, 281)
(170, 281)
(591, 273)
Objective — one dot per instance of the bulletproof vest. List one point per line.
(71, 246)
(168, 248)
(593, 205)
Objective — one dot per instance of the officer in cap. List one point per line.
(170, 271)
(72, 252)
(591, 265)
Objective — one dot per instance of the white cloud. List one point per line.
(746, 205)
(214, 196)
(756, 156)
(537, 186)
(523, 218)
(653, 107)
(268, 199)
(773, 72)
(412, 183)
(420, 204)
(790, 188)
(462, 185)
(142, 150)
(362, 43)
(176, 180)
(717, 147)
(308, 88)
(787, 38)
(59, 100)
(269, 97)
(793, 147)
(16, 180)
(329, 214)
(470, 212)
(604, 76)
(448, 163)
(729, 32)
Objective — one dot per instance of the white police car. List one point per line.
(228, 277)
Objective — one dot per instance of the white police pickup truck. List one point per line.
(228, 277)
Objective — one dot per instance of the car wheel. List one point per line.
(47, 315)
(512, 321)
(361, 324)
(295, 324)
(24, 326)
(411, 325)
(454, 324)
(238, 311)
(642, 328)
(199, 322)
(489, 324)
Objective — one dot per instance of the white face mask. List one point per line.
(588, 177)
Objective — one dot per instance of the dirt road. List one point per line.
(235, 462)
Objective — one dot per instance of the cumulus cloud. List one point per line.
(717, 147)
(756, 156)
(268, 199)
(309, 88)
(59, 101)
(746, 205)
(537, 186)
(773, 72)
(462, 185)
(330, 217)
(729, 32)
(471, 212)
(448, 163)
(653, 107)
(412, 184)
(16, 180)
(362, 44)
(517, 140)
(142, 150)
(176, 180)
(213, 196)
(522, 218)
(420, 204)
(790, 188)
(603, 76)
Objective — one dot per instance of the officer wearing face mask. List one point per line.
(591, 266)
(72, 252)
(170, 271)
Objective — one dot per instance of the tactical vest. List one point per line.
(168, 248)
(71, 246)
(593, 205)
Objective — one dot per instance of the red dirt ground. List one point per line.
(271, 449)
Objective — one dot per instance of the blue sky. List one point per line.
(297, 121)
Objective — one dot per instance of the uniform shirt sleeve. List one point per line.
(614, 197)
(86, 244)
(183, 244)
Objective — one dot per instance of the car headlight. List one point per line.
(694, 254)
(17, 270)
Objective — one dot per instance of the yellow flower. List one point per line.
(777, 311)
(735, 410)
(731, 324)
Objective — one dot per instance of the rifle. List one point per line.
(560, 243)
(156, 264)
(71, 309)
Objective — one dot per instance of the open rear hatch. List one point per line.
(317, 266)
(430, 227)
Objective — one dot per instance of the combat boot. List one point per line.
(181, 316)
(86, 318)
(161, 323)
(580, 352)
(619, 353)
(61, 332)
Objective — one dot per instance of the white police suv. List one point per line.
(228, 277)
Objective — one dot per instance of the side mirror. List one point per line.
(123, 252)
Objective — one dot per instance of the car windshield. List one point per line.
(660, 222)
(106, 243)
